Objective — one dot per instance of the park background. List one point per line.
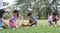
(42, 9)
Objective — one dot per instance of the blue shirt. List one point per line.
(34, 18)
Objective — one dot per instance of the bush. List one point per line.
(7, 15)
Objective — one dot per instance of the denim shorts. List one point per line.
(0, 23)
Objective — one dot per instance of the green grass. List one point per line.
(42, 27)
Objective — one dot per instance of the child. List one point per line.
(13, 18)
(1, 17)
(32, 20)
(53, 18)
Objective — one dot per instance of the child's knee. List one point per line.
(50, 23)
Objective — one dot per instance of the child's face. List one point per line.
(54, 16)
(14, 14)
(30, 16)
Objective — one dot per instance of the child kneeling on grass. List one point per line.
(32, 20)
(1, 17)
(13, 19)
(53, 18)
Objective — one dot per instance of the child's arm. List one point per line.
(10, 18)
(4, 21)
(57, 18)
(32, 22)
(53, 23)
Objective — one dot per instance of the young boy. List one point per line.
(32, 20)
(1, 17)
(53, 18)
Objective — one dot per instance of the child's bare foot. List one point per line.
(55, 25)
(13, 28)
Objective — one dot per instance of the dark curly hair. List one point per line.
(29, 14)
(15, 11)
(54, 13)
(2, 13)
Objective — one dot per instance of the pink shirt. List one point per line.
(51, 18)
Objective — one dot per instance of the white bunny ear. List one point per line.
(7, 10)
(29, 9)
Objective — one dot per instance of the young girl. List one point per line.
(13, 19)
(53, 18)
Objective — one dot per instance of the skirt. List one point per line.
(12, 24)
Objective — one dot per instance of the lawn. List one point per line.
(42, 27)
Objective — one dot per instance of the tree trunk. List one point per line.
(38, 13)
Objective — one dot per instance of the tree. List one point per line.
(41, 8)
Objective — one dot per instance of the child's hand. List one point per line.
(30, 24)
(54, 25)
(57, 19)
(9, 19)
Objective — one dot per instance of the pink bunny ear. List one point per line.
(7, 10)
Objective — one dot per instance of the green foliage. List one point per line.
(7, 15)
(4, 3)
(41, 8)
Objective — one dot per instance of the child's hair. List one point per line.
(54, 13)
(1, 13)
(29, 14)
(15, 11)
